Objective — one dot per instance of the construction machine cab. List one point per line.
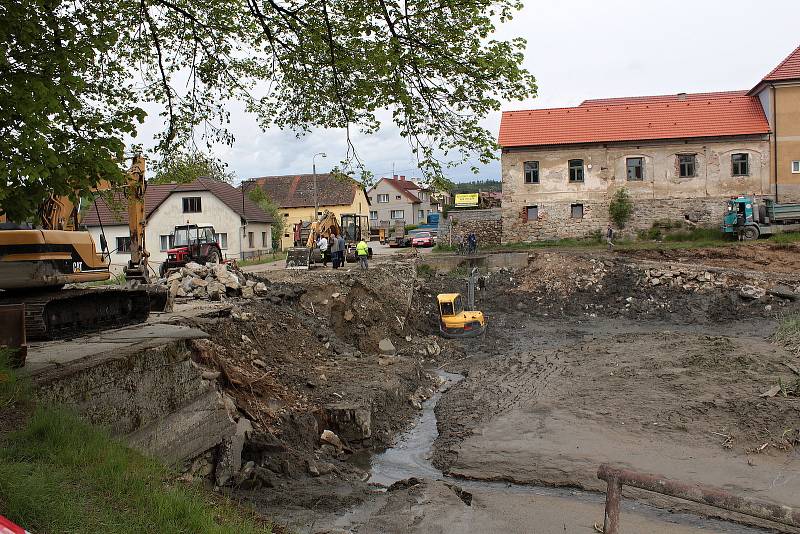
(455, 321)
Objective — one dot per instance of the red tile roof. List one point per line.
(297, 190)
(156, 194)
(404, 186)
(636, 119)
(789, 69)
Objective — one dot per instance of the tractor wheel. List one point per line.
(213, 257)
(750, 233)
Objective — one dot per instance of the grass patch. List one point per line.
(14, 390)
(267, 258)
(785, 238)
(60, 474)
(425, 270)
(444, 248)
(788, 333)
(695, 234)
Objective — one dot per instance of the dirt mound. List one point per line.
(559, 284)
(312, 363)
(766, 257)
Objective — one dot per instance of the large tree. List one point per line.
(76, 76)
(185, 167)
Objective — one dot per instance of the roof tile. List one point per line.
(789, 69)
(297, 190)
(635, 119)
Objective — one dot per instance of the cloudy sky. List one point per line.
(577, 49)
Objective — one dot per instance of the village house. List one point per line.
(242, 229)
(294, 195)
(679, 157)
(398, 199)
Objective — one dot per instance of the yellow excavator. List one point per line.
(457, 320)
(36, 263)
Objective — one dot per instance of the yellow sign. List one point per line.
(466, 199)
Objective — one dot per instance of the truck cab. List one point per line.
(738, 214)
(749, 218)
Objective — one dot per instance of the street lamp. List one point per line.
(314, 170)
(244, 218)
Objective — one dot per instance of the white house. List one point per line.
(398, 199)
(243, 229)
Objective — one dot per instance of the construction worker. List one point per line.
(362, 251)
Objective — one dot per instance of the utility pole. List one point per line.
(316, 197)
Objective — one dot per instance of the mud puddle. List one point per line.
(411, 457)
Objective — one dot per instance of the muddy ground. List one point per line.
(588, 361)
(654, 360)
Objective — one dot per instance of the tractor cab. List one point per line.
(192, 243)
(455, 321)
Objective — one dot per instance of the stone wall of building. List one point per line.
(661, 194)
(487, 225)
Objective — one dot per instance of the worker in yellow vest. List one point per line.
(362, 251)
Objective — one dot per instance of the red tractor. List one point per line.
(192, 243)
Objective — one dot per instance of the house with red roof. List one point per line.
(241, 227)
(296, 194)
(398, 199)
(678, 156)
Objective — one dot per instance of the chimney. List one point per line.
(402, 178)
(682, 97)
(394, 177)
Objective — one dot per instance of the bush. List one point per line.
(620, 208)
(653, 234)
(696, 234)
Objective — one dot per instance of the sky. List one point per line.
(577, 49)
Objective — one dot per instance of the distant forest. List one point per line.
(477, 185)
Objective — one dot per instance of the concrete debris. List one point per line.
(260, 363)
(229, 460)
(386, 347)
(331, 439)
(210, 375)
(784, 292)
(352, 421)
(751, 292)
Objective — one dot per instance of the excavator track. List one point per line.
(73, 312)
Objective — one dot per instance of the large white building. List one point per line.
(243, 229)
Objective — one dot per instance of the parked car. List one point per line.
(423, 239)
(7, 526)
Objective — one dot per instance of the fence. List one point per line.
(698, 493)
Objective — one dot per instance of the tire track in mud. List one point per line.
(491, 388)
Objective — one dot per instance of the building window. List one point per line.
(250, 240)
(576, 211)
(398, 214)
(531, 172)
(796, 167)
(397, 197)
(373, 215)
(124, 245)
(421, 195)
(264, 239)
(532, 213)
(383, 199)
(576, 170)
(687, 164)
(741, 164)
(166, 242)
(285, 214)
(222, 240)
(192, 205)
(421, 214)
(635, 168)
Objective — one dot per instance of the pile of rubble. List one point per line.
(687, 279)
(551, 272)
(213, 282)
